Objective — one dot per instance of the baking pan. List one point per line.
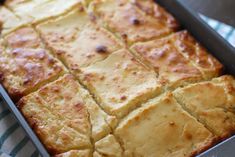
(10, 104)
(218, 47)
(189, 20)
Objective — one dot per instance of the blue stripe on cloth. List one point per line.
(4, 113)
(229, 34)
(204, 17)
(19, 146)
(217, 27)
(8, 132)
(226, 31)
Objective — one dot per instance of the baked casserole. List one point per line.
(113, 78)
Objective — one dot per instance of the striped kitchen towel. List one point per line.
(226, 31)
(14, 142)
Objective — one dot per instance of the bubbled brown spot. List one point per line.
(124, 36)
(56, 89)
(172, 123)
(26, 81)
(79, 106)
(102, 78)
(188, 136)
(123, 97)
(51, 60)
(135, 21)
(101, 49)
(59, 52)
(92, 17)
(15, 52)
(74, 67)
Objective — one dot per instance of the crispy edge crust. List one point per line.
(22, 102)
(204, 147)
(158, 12)
(216, 69)
(227, 82)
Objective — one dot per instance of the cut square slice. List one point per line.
(127, 21)
(108, 146)
(25, 37)
(34, 11)
(78, 43)
(60, 132)
(64, 116)
(150, 7)
(212, 103)
(173, 68)
(120, 83)
(162, 127)
(76, 153)
(191, 49)
(8, 21)
(24, 67)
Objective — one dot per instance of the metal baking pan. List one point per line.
(10, 104)
(219, 48)
(189, 20)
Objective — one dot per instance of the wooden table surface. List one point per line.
(222, 10)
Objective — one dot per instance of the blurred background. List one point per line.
(222, 10)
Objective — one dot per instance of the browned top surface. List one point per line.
(94, 41)
(59, 116)
(25, 65)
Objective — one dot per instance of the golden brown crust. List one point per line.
(23, 71)
(25, 37)
(120, 83)
(173, 69)
(212, 103)
(60, 119)
(67, 119)
(127, 21)
(1, 54)
(62, 35)
(25, 67)
(206, 146)
(65, 101)
(194, 51)
(153, 9)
